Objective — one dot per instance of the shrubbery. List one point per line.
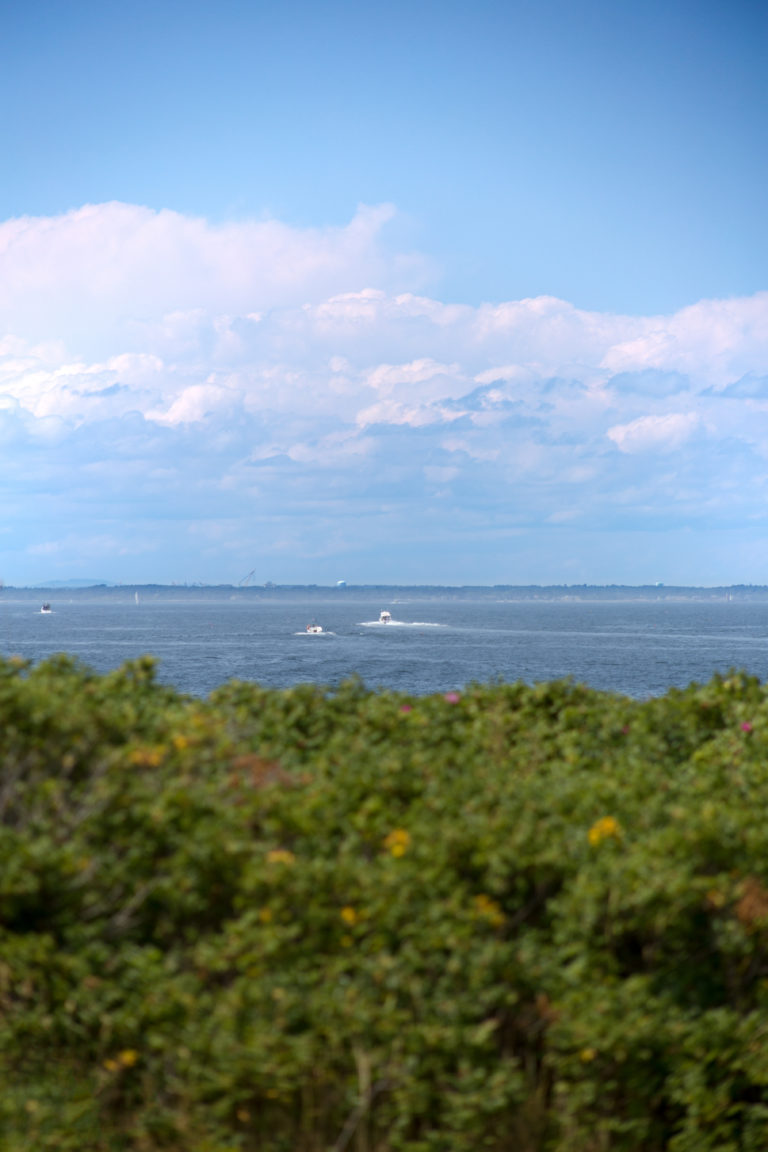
(515, 919)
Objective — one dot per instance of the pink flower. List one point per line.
(746, 726)
(406, 707)
(452, 697)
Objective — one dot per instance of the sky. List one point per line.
(446, 293)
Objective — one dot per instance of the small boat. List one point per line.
(46, 608)
(314, 627)
(385, 617)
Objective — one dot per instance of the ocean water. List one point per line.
(639, 649)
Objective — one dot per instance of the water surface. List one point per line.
(636, 648)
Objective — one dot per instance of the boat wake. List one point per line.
(399, 624)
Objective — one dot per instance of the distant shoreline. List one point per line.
(513, 593)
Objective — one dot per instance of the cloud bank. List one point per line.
(180, 399)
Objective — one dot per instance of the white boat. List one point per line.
(314, 627)
(46, 608)
(385, 617)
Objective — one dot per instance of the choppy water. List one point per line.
(639, 649)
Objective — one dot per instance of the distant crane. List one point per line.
(245, 579)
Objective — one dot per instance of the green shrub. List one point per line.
(521, 919)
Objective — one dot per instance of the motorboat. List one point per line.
(314, 627)
(46, 608)
(385, 617)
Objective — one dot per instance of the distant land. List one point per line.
(81, 582)
(387, 593)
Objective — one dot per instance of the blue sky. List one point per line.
(443, 292)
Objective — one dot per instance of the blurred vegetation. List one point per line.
(519, 919)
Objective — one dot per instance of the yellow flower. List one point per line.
(110, 1065)
(147, 756)
(180, 742)
(606, 828)
(397, 841)
(128, 1057)
(587, 1055)
(265, 915)
(280, 856)
(489, 910)
(349, 915)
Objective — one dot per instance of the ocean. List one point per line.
(636, 648)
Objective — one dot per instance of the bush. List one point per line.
(516, 918)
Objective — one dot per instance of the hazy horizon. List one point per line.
(341, 589)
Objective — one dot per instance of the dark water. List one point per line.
(639, 649)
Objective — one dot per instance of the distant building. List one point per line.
(341, 583)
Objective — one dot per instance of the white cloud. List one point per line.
(398, 412)
(195, 403)
(389, 378)
(649, 433)
(104, 269)
(252, 369)
(715, 341)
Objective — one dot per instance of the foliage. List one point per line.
(520, 919)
